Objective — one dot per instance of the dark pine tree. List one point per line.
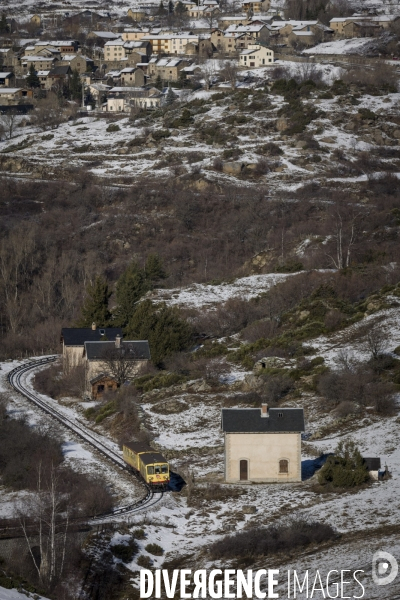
(32, 80)
(75, 86)
(129, 289)
(95, 307)
(164, 328)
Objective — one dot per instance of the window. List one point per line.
(157, 470)
(164, 469)
(244, 470)
(283, 466)
(150, 470)
(280, 414)
(100, 389)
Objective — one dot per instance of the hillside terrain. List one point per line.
(244, 231)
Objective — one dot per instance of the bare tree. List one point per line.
(8, 123)
(121, 363)
(208, 73)
(229, 72)
(48, 113)
(345, 361)
(376, 341)
(211, 19)
(40, 519)
(345, 236)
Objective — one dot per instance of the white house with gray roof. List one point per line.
(262, 445)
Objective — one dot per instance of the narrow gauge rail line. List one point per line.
(151, 497)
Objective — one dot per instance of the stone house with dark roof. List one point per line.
(99, 354)
(262, 445)
(73, 341)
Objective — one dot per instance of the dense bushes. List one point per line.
(358, 385)
(125, 552)
(264, 541)
(345, 469)
(56, 384)
(24, 450)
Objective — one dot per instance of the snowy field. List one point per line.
(347, 46)
(201, 294)
(15, 595)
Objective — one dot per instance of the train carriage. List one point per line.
(152, 465)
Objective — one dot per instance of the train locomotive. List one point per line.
(151, 465)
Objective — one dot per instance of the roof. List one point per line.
(77, 336)
(5, 75)
(101, 377)
(249, 420)
(105, 34)
(130, 349)
(36, 58)
(148, 455)
(10, 90)
(60, 70)
(138, 447)
(373, 464)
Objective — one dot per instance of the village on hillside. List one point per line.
(116, 61)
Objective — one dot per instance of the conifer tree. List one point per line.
(129, 289)
(154, 269)
(75, 86)
(170, 97)
(345, 468)
(3, 23)
(95, 307)
(164, 328)
(161, 9)
(170, 7)
(158, 84)
(32, 80)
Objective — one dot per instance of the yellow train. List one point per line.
(151, 464)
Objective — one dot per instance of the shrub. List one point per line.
(271, 540)
(366, 113)
(290, 266)
(144, 561)
(161, 134)
(82, 149)
(277, 387)
(346, 468)
(162, 380)
(113, 127)
(125, 552)
(139, 534)
(154, 549)
(218, 164)
(271, 148)
(262, 167)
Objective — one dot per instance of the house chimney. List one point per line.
(118, 341)
(93, 326)
(264, 410)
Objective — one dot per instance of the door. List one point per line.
(244, 470)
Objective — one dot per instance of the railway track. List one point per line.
(17, 380)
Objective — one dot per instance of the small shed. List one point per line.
(102, 383)
(374, 467)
